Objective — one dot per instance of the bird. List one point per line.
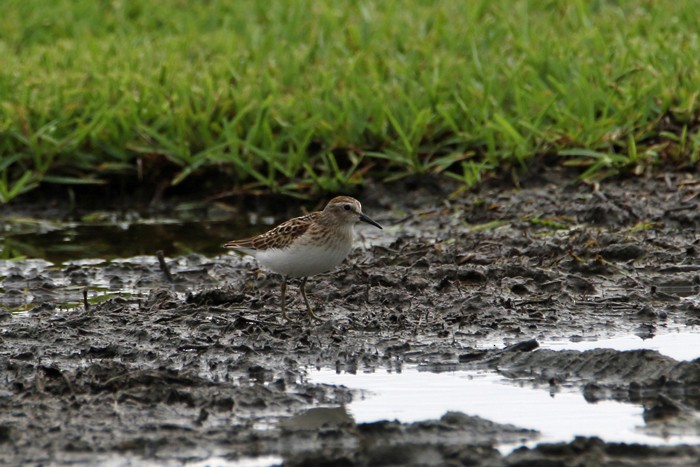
(307, 245)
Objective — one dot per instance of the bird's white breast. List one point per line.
(302, 260)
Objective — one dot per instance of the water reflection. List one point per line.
(123, 240)
(414, 395)
(680, 345)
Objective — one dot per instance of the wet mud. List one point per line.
(200, 365)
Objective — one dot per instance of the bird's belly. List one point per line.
(302, 261)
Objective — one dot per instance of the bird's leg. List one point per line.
(309, 311)
(284, 293)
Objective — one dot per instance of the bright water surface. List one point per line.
(414, 395)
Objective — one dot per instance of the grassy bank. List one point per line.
(299, 96)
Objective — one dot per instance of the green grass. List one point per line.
(305, 96)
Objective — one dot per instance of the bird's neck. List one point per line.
(340, 234)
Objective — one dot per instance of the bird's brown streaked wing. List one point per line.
(279, 237)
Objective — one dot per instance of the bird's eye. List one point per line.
(347, 207)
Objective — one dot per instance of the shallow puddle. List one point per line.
(679, 345)
(677, 341)
(262, 461)
(413, 395)
(214, 461)
(27, 283)
(59, 243)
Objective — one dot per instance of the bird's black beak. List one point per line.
(364, 218)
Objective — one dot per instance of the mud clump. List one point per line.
(200, 365)
(593, 451)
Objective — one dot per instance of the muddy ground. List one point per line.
(203, 366)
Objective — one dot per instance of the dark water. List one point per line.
(74, 241)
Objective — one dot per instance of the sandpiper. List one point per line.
(307, 245)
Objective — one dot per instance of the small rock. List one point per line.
(579, 284)
(622, 252)
(4, 314)
(319, 417)
(662, 409)
(471, 275)
(524, 346)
